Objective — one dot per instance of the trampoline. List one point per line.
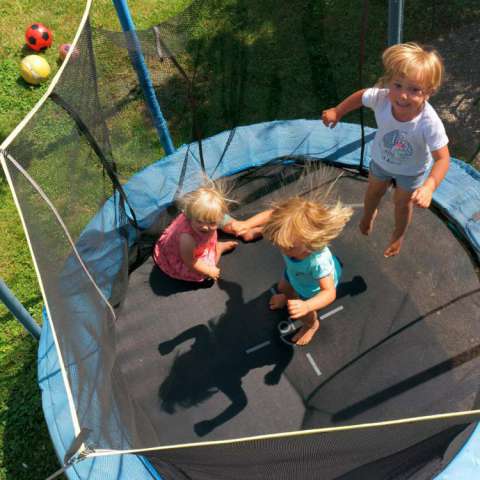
(194, 342)
(208, 365)
(143, 376)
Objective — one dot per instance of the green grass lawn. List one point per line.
(25, 448)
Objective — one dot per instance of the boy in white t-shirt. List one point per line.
(410, 136)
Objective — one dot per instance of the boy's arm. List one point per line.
(187, 247)
(327, 294)
(422, 197)
(333, 115)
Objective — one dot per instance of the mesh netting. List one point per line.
(79, 172)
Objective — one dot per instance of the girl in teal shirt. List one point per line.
(302, 230)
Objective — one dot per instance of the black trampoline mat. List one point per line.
(223, 371)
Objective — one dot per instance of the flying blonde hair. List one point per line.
(412, 60)
(310, 222)
(208, 203)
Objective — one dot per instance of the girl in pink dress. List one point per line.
(188, 249)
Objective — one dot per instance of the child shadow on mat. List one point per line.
(164, 285)
(219, 357)
(354, 287)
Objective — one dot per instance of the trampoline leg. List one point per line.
(19, 311)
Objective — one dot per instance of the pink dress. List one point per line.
(166, 253)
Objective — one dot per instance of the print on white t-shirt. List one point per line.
(403, 148)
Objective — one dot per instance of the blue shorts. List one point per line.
(338, 273)
(409, 183)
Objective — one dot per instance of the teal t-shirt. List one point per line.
(304, 275)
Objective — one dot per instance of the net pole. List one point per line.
(395, 21)
(138, 62)
(19, 311)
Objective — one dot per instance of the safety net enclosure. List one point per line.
(149, 377)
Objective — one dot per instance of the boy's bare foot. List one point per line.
(306, 333)
(233, 227)
(239, 228)
(394, 247)
(366, 224)
(227, 246)
(278, 301)
(251, 234)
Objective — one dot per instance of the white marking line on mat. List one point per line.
(331, 312)
(258, 347)
(314, 365)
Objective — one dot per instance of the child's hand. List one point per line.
(422, 197)
(330, 117)
(214, 273)
(297, 308)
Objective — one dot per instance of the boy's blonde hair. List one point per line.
(412, 60)
(312, 223)
(206, 204)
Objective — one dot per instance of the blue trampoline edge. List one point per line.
(265, 141)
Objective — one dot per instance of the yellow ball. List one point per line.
(34, 69)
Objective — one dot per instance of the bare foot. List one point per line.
(306, 333)
(251, 234)
(226, 246)
(239, 228)
(234, 227)
(278, 301)
(394, 247)
(366, 224)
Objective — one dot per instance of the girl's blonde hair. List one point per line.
(206, 204)
(312, 223)
(412, 60)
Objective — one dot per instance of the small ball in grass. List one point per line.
(65, 48)
(38, 37)
(34, 69)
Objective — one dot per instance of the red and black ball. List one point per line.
(38, 37)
